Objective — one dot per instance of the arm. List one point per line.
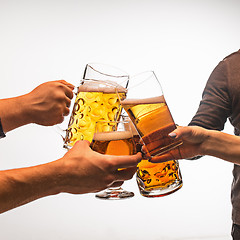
(46, 105)
(213, 111)
(199, 141)
(81, 170)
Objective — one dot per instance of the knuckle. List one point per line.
(109, 164)
(66, 112)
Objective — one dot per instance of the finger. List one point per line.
(68, 92)
(145, 152)
(180, 132)
(68, 102)
(60, 119)
(125, 161)
(174, 154)
(125, 174)
(66, 111)
(67, 84)
(67, 89)
(159, 159)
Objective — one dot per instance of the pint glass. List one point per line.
(148, 110)
(95, 100)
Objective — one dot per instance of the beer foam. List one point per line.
(112, 136)
(159, 99)
(101, 86)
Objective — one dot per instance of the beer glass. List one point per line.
(95, 100)
(148, 110)
(114, 138)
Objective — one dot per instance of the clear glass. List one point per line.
(114, 138)
(147, 108)
(95, 100)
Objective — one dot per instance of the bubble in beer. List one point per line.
(159, 175)
(94, 102)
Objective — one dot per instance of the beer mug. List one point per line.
(148, 110)
(95, 100)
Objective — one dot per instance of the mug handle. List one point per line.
(61, 128)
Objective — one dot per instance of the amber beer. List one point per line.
(156, 179)
(95, 100)
(114, 143)
(154, 122)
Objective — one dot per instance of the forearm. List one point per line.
(20, 186)
(222, 145)
(14, 112)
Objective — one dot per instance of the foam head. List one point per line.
(101, 86)
(154, 100)
(112, 136)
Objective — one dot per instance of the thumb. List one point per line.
(175, 134)
(86, 142)
(180, 132)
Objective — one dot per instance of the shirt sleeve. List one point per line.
(2, 134)
(215, 107)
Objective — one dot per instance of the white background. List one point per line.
(182, 41)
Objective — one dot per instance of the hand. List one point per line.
(193, 138)
(50, 102)
(80, 170)
(85, 170)
(46, 105)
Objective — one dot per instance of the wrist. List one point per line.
(59, 175)
(206, 142)
(211, 142)
(27, 110)
(55, 177)
(12, 109)
(46, 179)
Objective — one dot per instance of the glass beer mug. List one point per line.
(95, 100)
(114, 138)
(148, 110)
